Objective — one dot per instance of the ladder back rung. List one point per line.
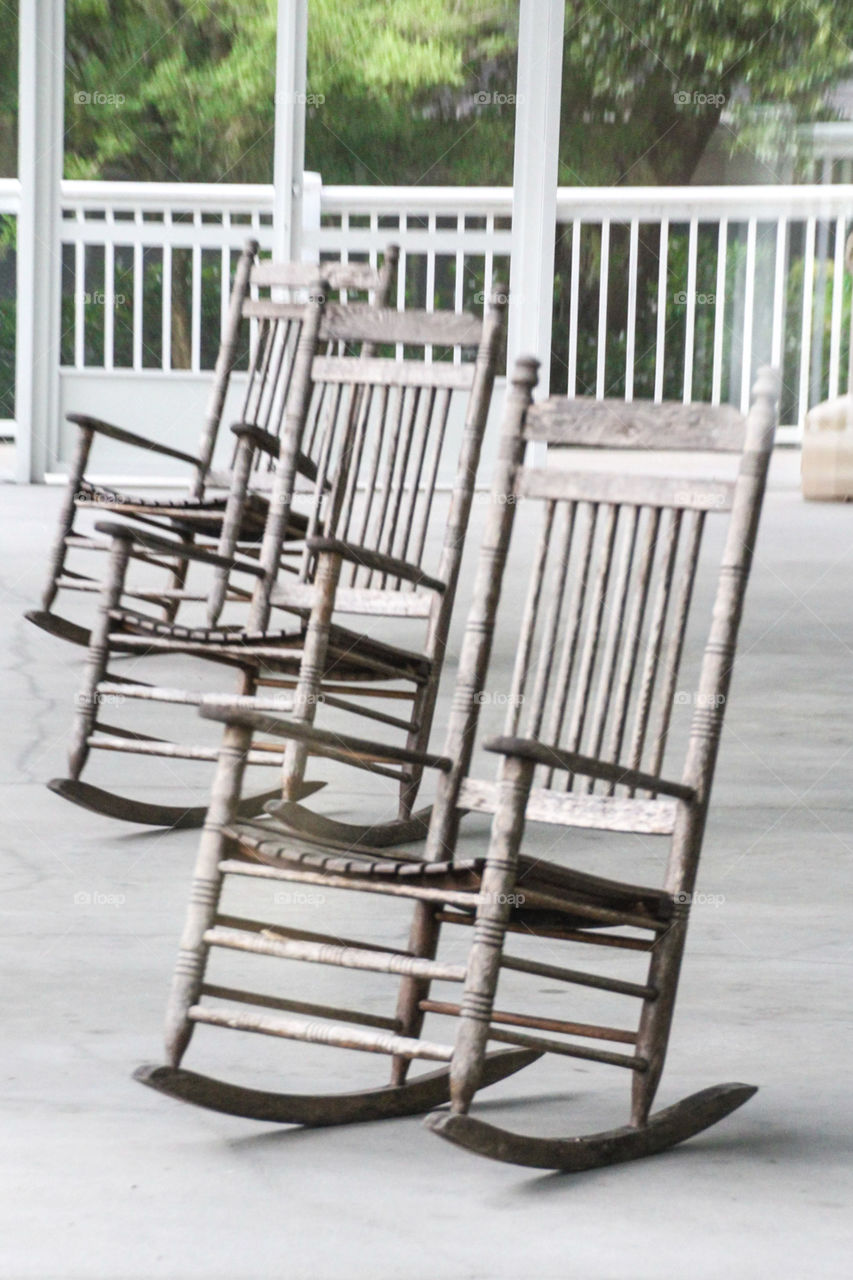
(151, 693)
(301, 935)
(358, 884)
(578, 977)
(282, 948)
(174, 750)
(620, 941)
(337, 1037)
(558, 1025)
(568, 1050)
(299, 1006)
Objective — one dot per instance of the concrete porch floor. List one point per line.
(101, 1178)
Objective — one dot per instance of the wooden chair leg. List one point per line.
(97, 656)
(656, 1015)
(67, 512)
(231, 525)
(205, 892)
(423, 942)
(177, 581)
(484, 959)
(423, 705)
(313, 664)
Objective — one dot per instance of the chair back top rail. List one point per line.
(415, 328)
(359, 276)
(617, 424)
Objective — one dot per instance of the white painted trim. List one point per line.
(289, 135)
(41, 80)
(534, 193)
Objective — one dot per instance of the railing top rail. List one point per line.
(586, 203)
(366, 199)
(705, 203)
(242, 196)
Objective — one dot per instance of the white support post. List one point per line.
(41, 82)
(289, 144)
(534, 192)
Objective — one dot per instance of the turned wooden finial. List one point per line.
(525, 371)
(767, 383)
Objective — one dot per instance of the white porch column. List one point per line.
(41, 81)
(289, 138)
(534, 191)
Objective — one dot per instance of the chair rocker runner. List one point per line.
(274, 323)
(591, 706)
(377, 430)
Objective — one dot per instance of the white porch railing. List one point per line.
(121, 242)
(664, 292)
(733, 276)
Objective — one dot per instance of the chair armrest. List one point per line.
(181, 550)
(271, 445)
(572, 762)
(321, 742)
(257, 436)
(129, 437)
(376, 560)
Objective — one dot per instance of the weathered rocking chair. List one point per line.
(599, 647)
(378, 430)
(200, 513)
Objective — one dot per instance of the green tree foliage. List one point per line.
(188, 90)
(8, 88)
(409, 91)
(421, 91)
(652, 79)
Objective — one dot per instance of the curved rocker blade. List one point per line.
(381, 835)
(178, 817)
(663, 1130)
(317, 1110)
(61, 627)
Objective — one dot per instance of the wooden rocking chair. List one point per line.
(378, 430)
(599, 647)
(200, 513)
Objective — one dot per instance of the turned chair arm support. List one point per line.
(102, 428)
(369, 559)
(181, 550)
(321, 742)
(587, 766)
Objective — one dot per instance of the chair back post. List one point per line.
(479, 629)
(387, 273)
(224, 365)
(718, 661)
(469, 461)
(281, 497)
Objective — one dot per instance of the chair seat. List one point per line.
(128, 623)
(350, 655)
(194, 515)
(562, 887)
